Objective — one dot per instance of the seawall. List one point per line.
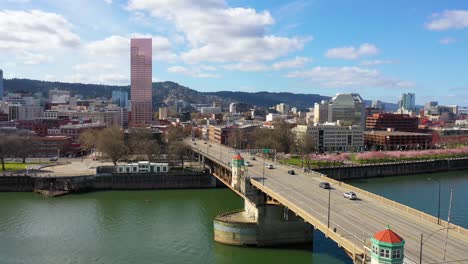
(175, 180)
(347, 172)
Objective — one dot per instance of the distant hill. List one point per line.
(269, 99)
(170, 91)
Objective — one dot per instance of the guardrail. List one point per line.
(394, 204)
(341, 240)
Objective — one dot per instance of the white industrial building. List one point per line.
(143, 167)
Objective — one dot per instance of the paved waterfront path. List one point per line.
(355, 221)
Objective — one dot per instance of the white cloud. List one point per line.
(246, 67)
(351, 52)
(116, 46)
(219, 33)
(348, 77)
(35, 30)
(297, 62)
(193, 72)
(376, 62)
(447, 40)
(108, 1)
(449, 19)
(33, 58)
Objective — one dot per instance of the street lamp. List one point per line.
(438, 208)
(329, 197)
(421, 243)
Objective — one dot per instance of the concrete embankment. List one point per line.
(347, 172)
(172, 180)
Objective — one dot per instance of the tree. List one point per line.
(177, 150)
(88, 140)
(142, 142)
(304, 144)
(175, 133)
(111, 143)
(8, 144)
(23, 145)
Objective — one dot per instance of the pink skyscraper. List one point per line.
(141, 81)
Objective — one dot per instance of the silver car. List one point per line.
(350, 195)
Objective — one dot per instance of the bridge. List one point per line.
(350, 223)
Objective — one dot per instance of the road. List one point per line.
(356, 220)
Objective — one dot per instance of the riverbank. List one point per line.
(64, 185)
(348, 172)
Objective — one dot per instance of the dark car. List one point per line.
(252, 158)
(292, 172)
(324, 185)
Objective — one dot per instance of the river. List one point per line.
(175, 226)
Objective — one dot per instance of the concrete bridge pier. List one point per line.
(262, 222)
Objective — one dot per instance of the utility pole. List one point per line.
(448, 223)
(329, 196)
(420, 248)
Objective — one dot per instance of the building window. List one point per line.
(385, 253)
(375, 249)
(164, 169)
(396, 254)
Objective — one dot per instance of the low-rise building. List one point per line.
(50, 146)
(396, 122)
(396, 140)
(332, 137)
(143, 167)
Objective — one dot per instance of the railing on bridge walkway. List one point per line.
(394, 204)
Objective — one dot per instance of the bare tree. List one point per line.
(88, 140)
(8, 144)
(142, 142)
(304, 144)
(178, 150)
(24, 145)
(175, 133)
(111, 143)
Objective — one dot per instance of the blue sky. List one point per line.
(379, 49)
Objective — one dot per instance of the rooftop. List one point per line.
(388, 236)
(394, 133)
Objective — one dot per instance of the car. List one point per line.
(325, 185)
(350, 195)
(205, 143)
(53, 159)
(247, 164)
(292, 172)
(253, 158)
(269, 166)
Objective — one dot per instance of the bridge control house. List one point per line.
(387, 248)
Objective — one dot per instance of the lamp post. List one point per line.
(438, 207)
(263, 171)
(423, 240)
(329, 197)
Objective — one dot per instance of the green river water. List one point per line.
(175, 226)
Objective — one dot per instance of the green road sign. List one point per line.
(266, 150)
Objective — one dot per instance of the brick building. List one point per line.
(396, 140)
(397, 122)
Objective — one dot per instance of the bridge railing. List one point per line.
(340, 239)
(414, 212)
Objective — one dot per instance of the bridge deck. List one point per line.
(355, 221)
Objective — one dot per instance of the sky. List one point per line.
(379, 49)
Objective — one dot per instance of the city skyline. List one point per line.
(301, 46)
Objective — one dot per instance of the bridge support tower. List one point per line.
(262, 222)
